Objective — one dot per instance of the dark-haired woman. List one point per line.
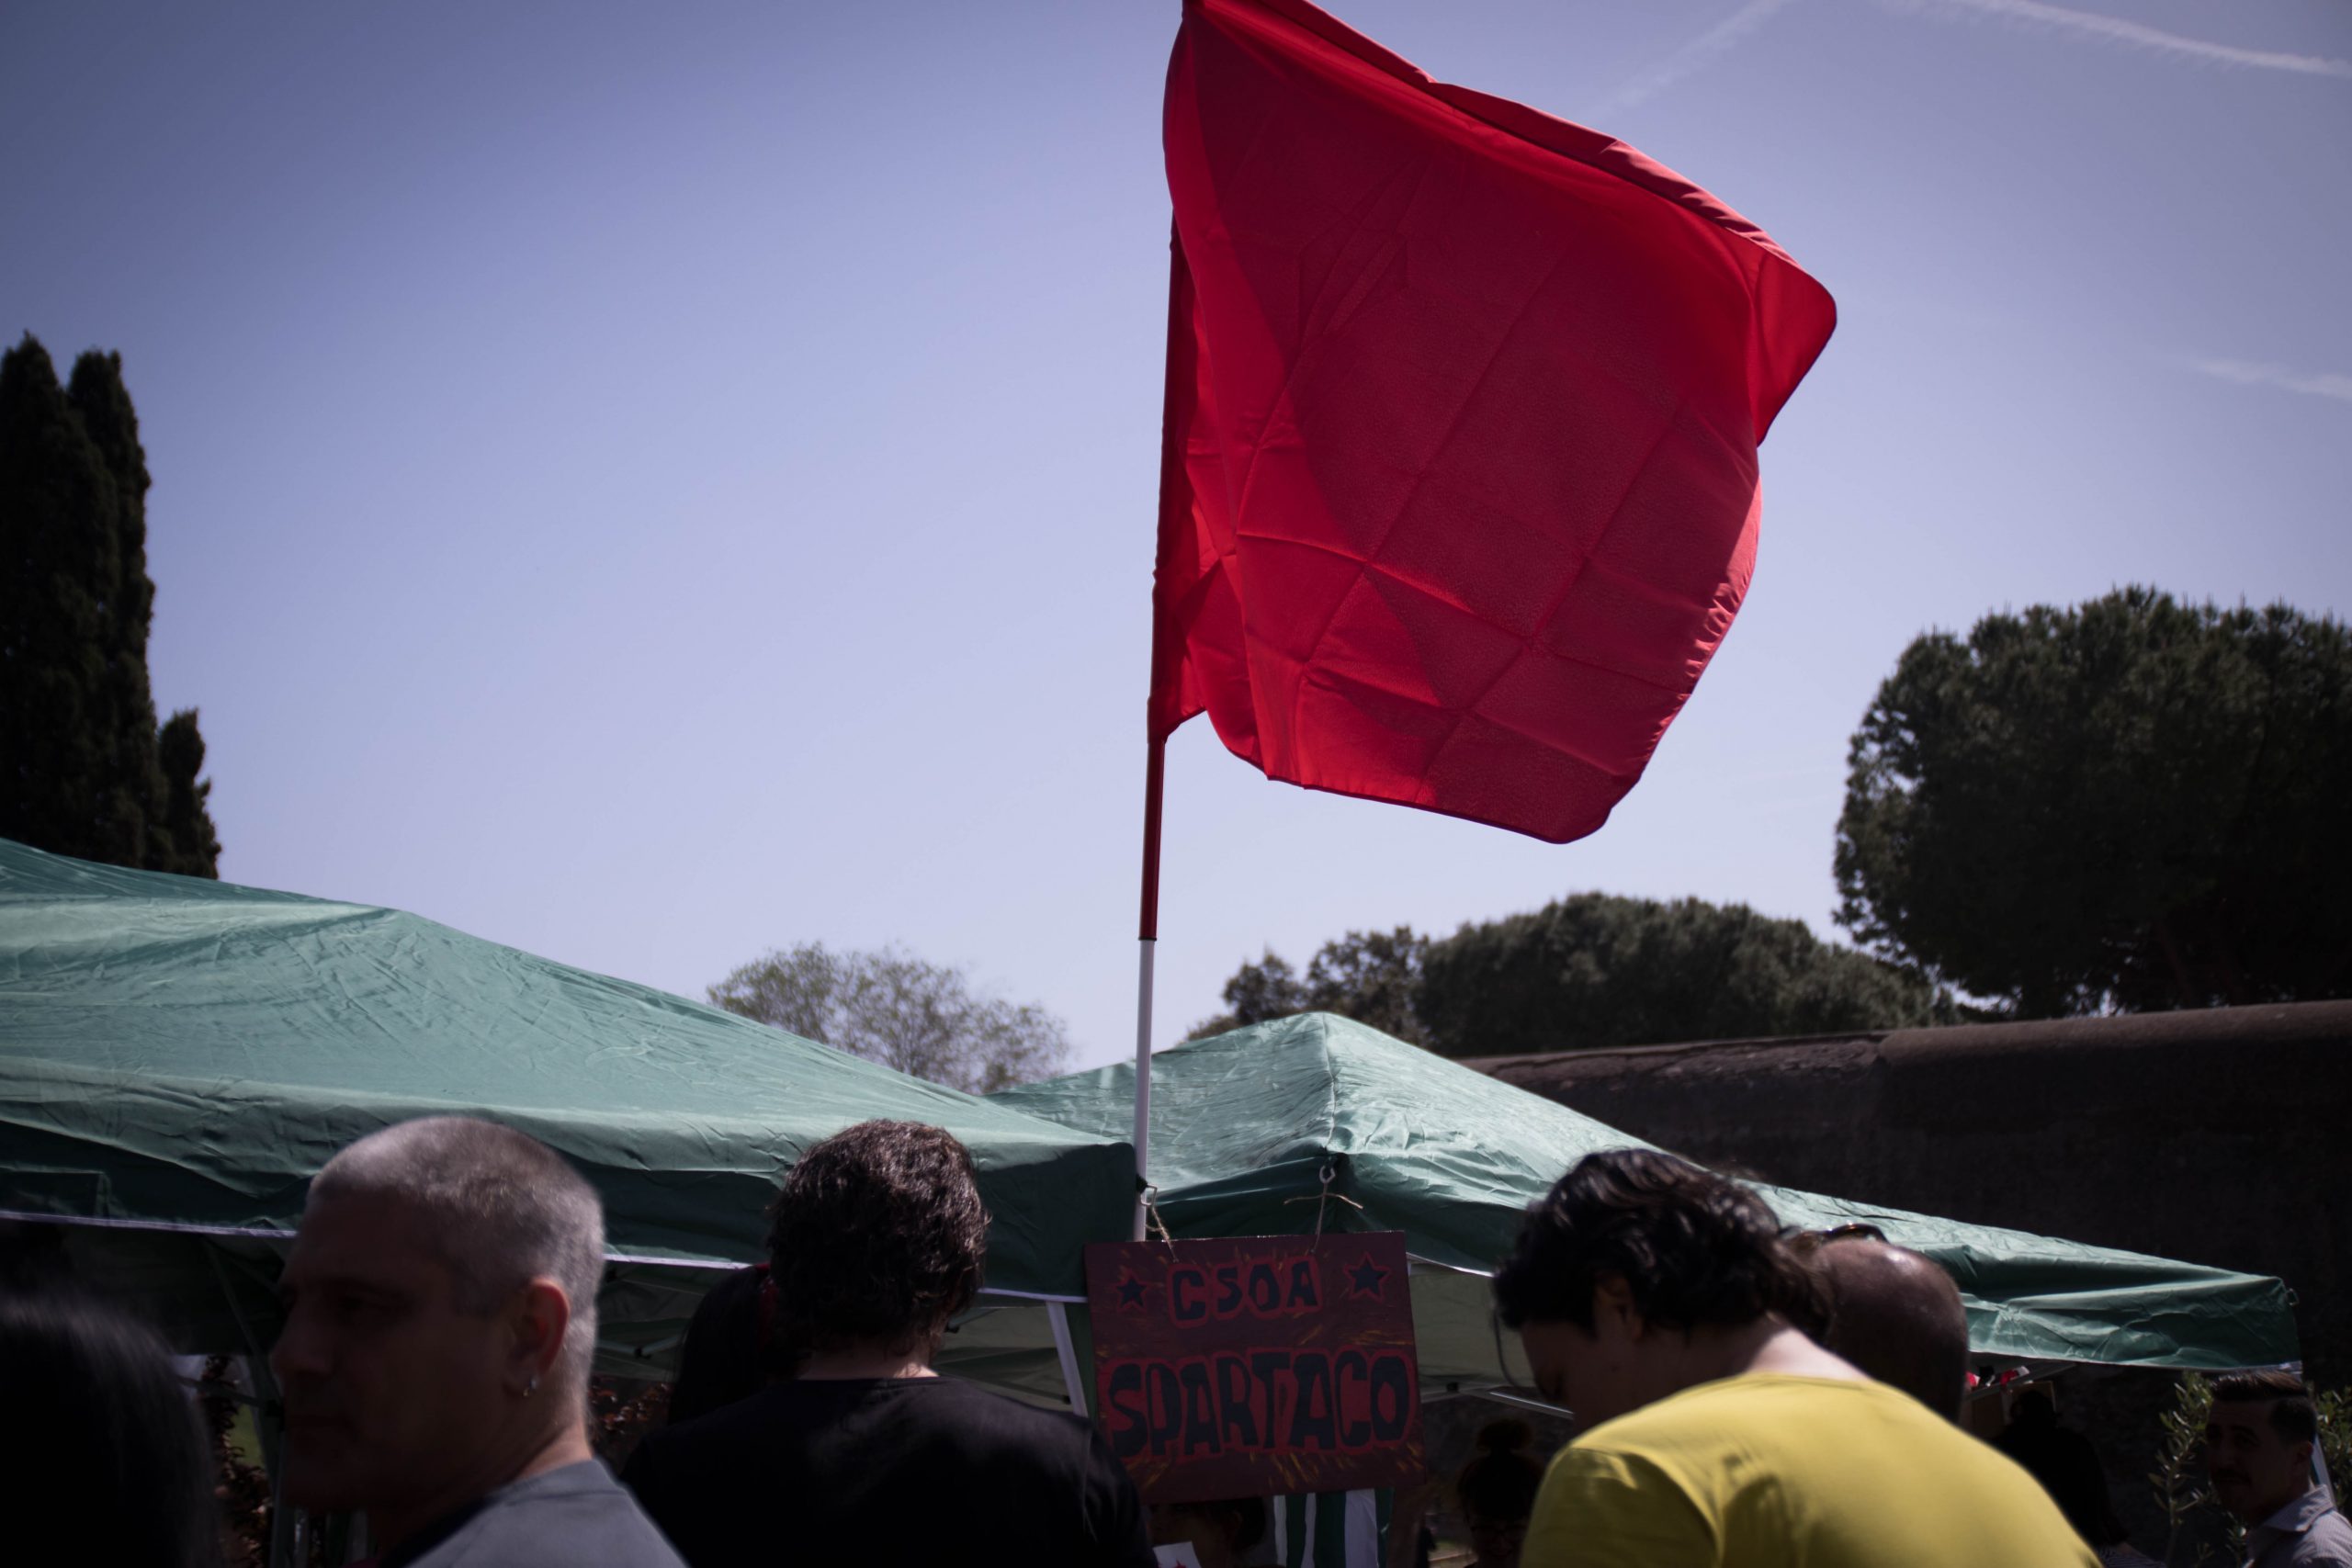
(1496, 1491)
(102, 1460)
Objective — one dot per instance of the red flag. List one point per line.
(1459, 488)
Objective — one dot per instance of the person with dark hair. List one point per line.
(1894, 1313)
(2066, 1464)
(866, 1454)
(1658, 1302)
(1496, 1493)
(1221, 1531)
(440, 1319)
(731, 1350)
(102, 1460)
(2258, 1440)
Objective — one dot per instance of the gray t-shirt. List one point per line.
(578, 1517)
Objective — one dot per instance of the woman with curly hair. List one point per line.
(864, 1453)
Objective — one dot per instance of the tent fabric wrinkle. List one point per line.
(1459, 487)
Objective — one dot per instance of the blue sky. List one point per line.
(650, 484)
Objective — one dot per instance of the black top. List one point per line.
(726, 1356)
(577, 1516)
(884, 1472)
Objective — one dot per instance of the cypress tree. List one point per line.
(82, 768)
(53, 485)
(133, 802)
(195, 850)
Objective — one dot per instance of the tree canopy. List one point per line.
(2131, 804)
(1373, 977)
(1589, 970)
(84, 769)
(890, 1006)
(1596, 970)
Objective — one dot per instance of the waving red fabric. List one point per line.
(1459, 490)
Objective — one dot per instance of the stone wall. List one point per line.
(2216, 1137)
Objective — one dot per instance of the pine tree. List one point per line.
(82, 764)
(2131, 804)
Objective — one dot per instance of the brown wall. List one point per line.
(2213, 1137)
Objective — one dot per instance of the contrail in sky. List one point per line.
(1696, 55)
(2245, 373)
(1742, 24)
(2138, 35)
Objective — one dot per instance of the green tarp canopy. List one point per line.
(177, 1056)
(1246, 1125)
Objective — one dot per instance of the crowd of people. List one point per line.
(1743, 1397)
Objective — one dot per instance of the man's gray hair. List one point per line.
(498, 1205)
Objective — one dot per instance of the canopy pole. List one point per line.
(1148, 940)
(1065, 1351)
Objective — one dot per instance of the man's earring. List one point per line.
(532, 1387)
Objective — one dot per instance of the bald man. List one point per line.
(1896, 1315)
(440, 1317)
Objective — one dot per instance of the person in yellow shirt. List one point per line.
(1656, 1302)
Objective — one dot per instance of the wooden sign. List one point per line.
(1256, 1366)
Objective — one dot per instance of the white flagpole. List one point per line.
(1143, 1085)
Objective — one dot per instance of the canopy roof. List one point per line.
(1245, 1124)
(179, 1055)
